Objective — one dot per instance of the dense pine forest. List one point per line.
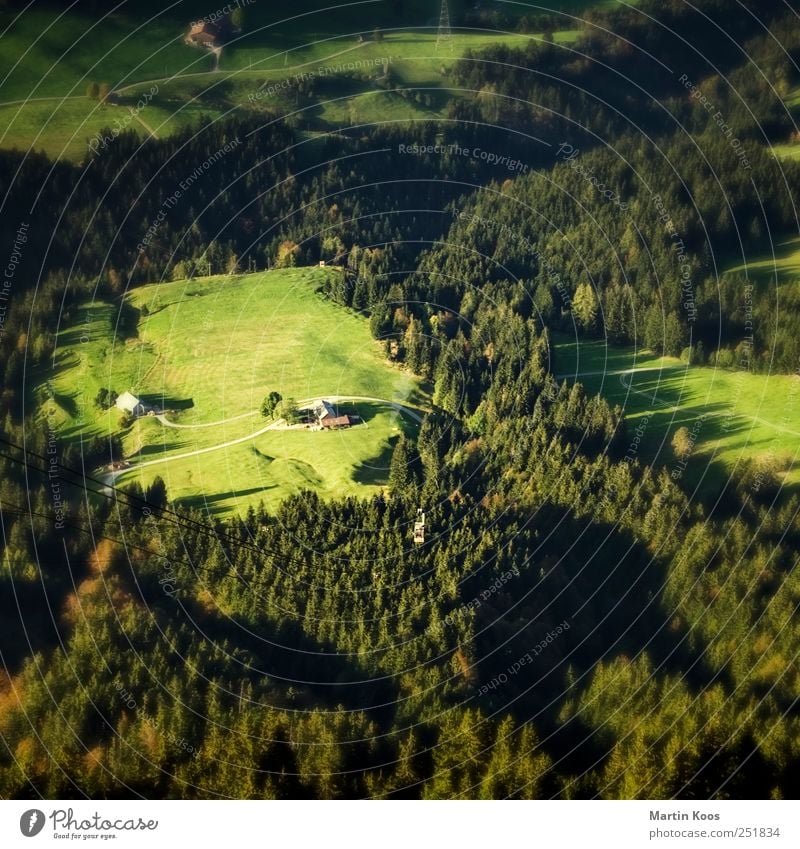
(576, 623)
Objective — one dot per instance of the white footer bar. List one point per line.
(401, 825)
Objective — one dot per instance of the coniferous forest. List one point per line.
(581, 620)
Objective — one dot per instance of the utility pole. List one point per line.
(444, 35)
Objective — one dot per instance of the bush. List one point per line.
(270, 403)
(105, 398)
(287, 409)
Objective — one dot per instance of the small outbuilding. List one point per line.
(203, 34)
(129, 403)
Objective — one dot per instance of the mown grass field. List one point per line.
(781, 269)
(48, 56)
(786, 151)
(747, 415)
(64, 129)
(49, 51)
(209, 350)
(277, 464)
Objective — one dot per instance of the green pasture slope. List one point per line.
(209, 350)
(746, 415)
(781, 270)
(49, 55)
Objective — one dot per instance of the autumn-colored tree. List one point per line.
(682, 442)
(287, 254)
(584, 306)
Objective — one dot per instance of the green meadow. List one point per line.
(50, 56)
(50, 51)
(786, 151)
(746, 415)
(64, 128)
(207, 351)
(781, 269)
(277, 464)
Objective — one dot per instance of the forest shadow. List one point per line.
(212, 504)
(281, 650)
(605, 585)
(27, 624)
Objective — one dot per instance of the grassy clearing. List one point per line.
(786, 151)
(275, 465)
(209, 350)
(747, 415)
(782, 269)
(46, 53)
(253, 332)
(63, 129)
(344, 67)
(413, 51)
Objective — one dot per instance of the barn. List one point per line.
(203, 34)
(323, 410)
(334, 422)
(327, 416)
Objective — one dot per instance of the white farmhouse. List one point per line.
(129, 403)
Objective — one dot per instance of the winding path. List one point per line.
(109, 477)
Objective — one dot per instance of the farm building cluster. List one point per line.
(326, 417)
(212, 31)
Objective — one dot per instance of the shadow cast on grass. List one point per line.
(375, 470)
(164, 402)
(213, 504)
(157, 448)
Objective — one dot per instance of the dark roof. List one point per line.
(336, 421)
(204, 32)
(204, 26)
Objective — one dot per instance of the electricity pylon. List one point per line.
(443, 36)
